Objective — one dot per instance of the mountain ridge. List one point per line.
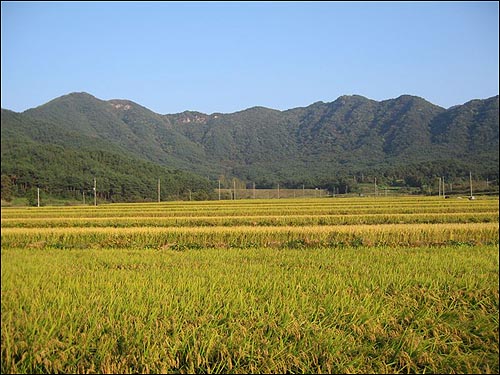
(322, 142)
(86, 94)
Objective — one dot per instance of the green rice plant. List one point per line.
(256, 208)
(288, 286)
(325, 310)
(257, 220)
(245, 236)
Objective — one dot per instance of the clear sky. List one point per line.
(228, 56)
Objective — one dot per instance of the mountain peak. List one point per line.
(258, 108)
(74, 97)
(78, 95)
(406, 98)
(350, 99)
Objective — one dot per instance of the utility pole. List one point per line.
(254, 190)
(443, 188)
(38, 197)
(376, 193)
(303, 191)
(189, 194)
(219, 189)
(83, 193)
(158, 190)
(278, 191)
(439, 187)
(234, 188)
(470, 181)
(95, 193)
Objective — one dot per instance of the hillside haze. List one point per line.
(321, 142)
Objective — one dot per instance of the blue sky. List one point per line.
(228, 56)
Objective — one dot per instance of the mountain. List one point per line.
(350, 135)
(322, 143)
(64, 157)
(124, 124)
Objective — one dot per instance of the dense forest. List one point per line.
(63, 145)
(33, 161)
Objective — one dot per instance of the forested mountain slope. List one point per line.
(77, 136)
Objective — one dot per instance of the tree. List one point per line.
(7, 188)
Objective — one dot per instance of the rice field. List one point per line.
(332, 285)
